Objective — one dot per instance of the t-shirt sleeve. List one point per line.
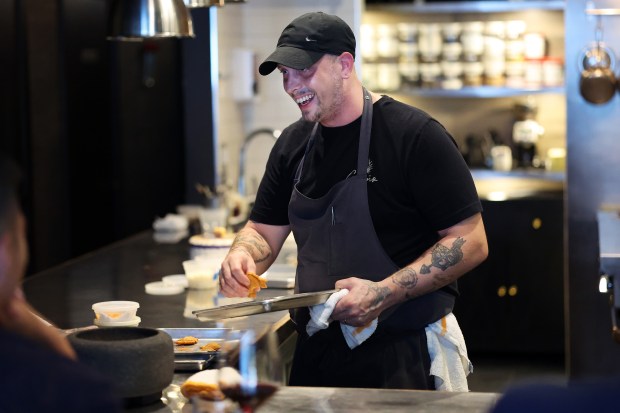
(440, 180)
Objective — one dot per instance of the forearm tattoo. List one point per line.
(253, 244)
(406, 278)
(443, 257)
(379, 294)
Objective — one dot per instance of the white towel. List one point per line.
(320, 318)
(449, 362)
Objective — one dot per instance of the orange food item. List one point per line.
(203, 384)
(256, 283)
(186, 341)
(211, 346)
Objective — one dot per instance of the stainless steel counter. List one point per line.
(329, 399)
(65, 294)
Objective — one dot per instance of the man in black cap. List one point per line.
(381, 203)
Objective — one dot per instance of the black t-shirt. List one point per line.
(418, 181)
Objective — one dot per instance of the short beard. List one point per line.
(337, 98)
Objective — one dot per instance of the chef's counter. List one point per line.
(65, 295)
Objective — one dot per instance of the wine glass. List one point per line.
(258, 360)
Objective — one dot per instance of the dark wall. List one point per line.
(97, 126)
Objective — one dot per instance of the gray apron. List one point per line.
(336, 239)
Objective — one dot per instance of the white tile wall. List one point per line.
(256, 25)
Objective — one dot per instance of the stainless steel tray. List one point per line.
(192, 358)
(264, 306)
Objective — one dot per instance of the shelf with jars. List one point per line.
(464, 49)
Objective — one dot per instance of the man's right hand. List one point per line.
(254, 249)
(233, 279)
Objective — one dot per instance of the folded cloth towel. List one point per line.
(449, 362)
(320, 318)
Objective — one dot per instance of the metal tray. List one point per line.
(264, 306)
(192, 358)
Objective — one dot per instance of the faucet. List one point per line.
(274, 133)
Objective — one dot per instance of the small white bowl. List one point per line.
(115, 311)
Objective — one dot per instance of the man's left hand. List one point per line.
(364, 302)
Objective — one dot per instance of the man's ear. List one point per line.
(347, 62)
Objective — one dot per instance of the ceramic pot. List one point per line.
(138, 361)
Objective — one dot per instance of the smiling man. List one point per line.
(381, 203)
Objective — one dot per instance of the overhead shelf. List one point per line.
(482, 92)
(467, 6)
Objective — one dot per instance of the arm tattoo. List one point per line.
(443, 257)
(254, 245)
(380, 294)
(406, 278)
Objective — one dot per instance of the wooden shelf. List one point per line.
(483, 92)
(467, 6)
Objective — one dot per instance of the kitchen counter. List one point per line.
(328, 399)
(65, 294)
(518, 184)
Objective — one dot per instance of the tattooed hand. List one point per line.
(248, 249)
(364, 303)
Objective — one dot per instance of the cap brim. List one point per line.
(289, 57)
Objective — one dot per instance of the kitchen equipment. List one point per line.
(609, 258)
(597, 83)
(501, 156)
(139, 362)
(477, 150)
(137, 19)
(193, 358)
(264, 306)
(526, 133)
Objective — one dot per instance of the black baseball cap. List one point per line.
(306, 39)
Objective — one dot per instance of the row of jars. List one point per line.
(455, 54)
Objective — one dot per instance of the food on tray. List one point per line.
(256, 283)
(211, 346)
(186, 341)
(203, 384)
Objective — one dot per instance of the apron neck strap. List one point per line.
(364, 142)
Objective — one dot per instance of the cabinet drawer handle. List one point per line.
(501, 291)
(513, 290)
(536, 223)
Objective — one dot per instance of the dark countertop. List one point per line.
(65, 294)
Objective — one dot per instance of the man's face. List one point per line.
(317, 90)
(13, 256)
